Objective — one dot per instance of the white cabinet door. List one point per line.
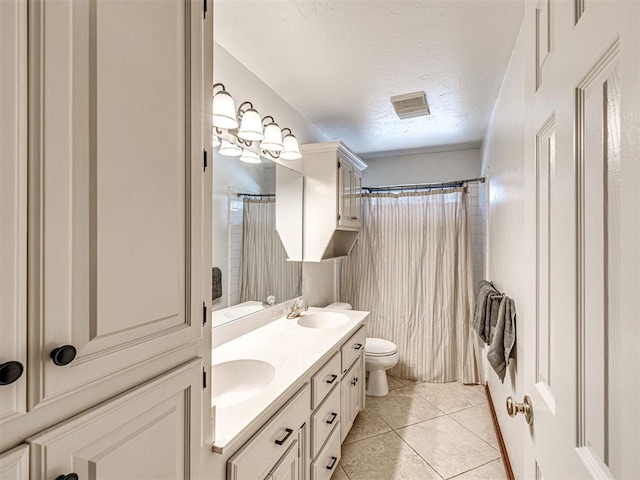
(115, 175)
(350, 397)
(13, 208)
(153, 431)
(345, 173)
(288, 468)
(14, 464)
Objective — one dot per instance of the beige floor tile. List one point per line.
(385, 457)
(450, 397)
(367, 424)
(447, 446)
(478, 420)
(491, 471)
(339, 474)
(394, 382)
(402, 407)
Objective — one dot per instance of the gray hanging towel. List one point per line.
(503, 338)
(216, 283)
(486, 312)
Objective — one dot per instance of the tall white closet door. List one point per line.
(13, 208)
(115, 173)
(152, 432)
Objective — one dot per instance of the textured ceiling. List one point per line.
(337, 62)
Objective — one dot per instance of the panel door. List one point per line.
(345, 173)
(14, 464)
(153, 431)
(350, 398)
(584, 119)
(288, 468)
(356, 211)
(13, 208)
(116, 170)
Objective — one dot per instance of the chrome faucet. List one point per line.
(297, 308)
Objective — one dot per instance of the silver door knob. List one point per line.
(526, 408)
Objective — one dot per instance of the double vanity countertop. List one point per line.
(295, 352)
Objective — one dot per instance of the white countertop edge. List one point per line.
(296, 360)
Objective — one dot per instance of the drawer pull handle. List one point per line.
(333, 379)
(333, 418)
(281, 441)
(358, 346)
(69, 476)
(333, 463)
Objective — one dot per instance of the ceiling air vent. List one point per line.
(410, 105)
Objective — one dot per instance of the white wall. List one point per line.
(432, 165)
(229, 172)
(503, 157)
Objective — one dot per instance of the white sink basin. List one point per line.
(238, 380)
(241, 311)
(322, 319)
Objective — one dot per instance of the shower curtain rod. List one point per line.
(424, 186)
(260, 195)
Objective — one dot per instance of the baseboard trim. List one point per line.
(503, 446)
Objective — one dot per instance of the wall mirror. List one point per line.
(257, 236)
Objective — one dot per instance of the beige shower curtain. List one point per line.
(265, 270)
(411, 268)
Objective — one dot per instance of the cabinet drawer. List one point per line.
(324, 419)
(325, 464)
(272, 441)
(326, 378)
(353, 347)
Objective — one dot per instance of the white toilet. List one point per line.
(379, 356)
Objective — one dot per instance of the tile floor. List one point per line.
(423, 431)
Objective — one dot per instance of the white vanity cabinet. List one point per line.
(332, 194)
(302, 439)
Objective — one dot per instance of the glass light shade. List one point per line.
(228, 149)
(224, 111)
(291, 150)
(272, 138)
(215, 141)
(249, 157)
(251, 126)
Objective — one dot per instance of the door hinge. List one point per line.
(204, 9)
(204, 378)
(339, 164)
(338, 217)
(205, 161)
(204, 313)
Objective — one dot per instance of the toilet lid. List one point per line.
(378, 347)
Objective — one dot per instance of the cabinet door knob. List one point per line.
(68, 476)
(10, 372)
(61, 356)
(333, 463)
(284, 439)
